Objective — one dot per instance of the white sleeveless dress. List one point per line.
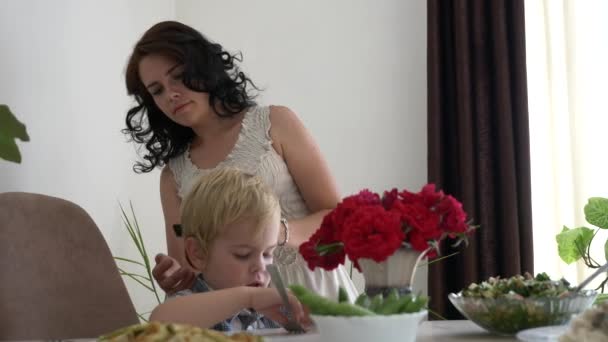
(253, 153)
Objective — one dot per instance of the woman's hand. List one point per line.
(171, 276)
(268, 302)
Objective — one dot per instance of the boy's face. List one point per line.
(237, 258)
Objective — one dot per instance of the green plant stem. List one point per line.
(129, 260)
(135, 233)
(142, 317)
(602, 285)
(144, 254)
(436, 314)
(585, 252)
(438, 259)
(127, 223)
(122, 272)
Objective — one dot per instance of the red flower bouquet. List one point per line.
(373, 227)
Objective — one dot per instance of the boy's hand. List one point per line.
(171, 276)
(268, 302)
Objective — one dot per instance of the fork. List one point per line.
(292, 326)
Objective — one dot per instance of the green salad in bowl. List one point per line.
(508, 305)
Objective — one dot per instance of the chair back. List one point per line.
(59, 279)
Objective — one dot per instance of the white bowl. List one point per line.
(401, 328)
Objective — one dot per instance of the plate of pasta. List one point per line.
(156, 331)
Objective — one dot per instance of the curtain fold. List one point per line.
(478, 138)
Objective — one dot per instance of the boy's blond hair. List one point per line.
(223, 197)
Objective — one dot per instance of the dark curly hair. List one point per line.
(207, 68)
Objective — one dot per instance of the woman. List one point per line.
(195, 113)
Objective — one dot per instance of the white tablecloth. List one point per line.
(428, 331)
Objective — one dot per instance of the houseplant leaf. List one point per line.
(145, 280)
(9, 149)
(596, 212)
(572, 243)
(10, 129)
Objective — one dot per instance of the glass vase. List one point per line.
(396, 272)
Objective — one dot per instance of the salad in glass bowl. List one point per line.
(508, 305)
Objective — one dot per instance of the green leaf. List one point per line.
(602, 297)
(10, 129)
(606, 250)
(328, 249)
(132, 227)
(127, 274)
(596, 212)
(129, 260)
(572, 243)
(10, 126)
(342, 295)
(143, 277)
(9, 149)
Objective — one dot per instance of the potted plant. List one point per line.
(574, 244)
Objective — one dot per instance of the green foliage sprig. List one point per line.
(575, 244)
(146, 280)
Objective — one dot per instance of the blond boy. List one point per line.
(231, 226)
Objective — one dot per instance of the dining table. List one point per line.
(428, 331)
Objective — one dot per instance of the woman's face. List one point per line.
(162, 77)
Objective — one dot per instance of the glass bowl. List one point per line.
(507, 315)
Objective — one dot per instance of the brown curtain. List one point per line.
(478, 138)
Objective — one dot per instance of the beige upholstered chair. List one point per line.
(58, 277)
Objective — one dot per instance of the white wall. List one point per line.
(355, 71)
(62, 73)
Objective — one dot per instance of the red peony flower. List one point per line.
(365, 197)
(322, 253)
(430, 196)
(372, 232)
(350, 204)
(448, 205)
(367, 226)
(419, 218)
(417, 240)
(454, 220)
(308, 250)
(389, 198)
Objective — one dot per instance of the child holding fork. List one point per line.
(231, 223)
